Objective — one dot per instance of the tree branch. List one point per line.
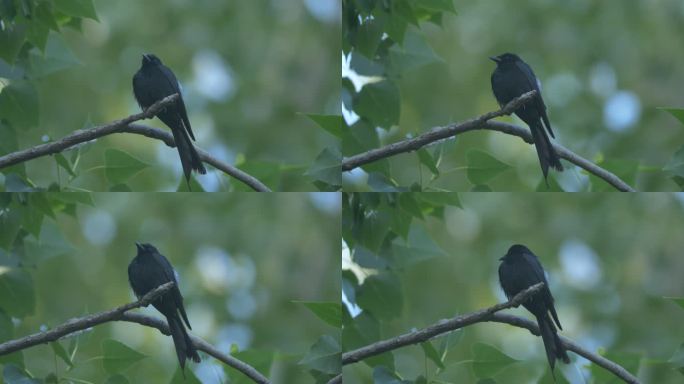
(570, 345)
(484, 315)
(199, 344)
(121, 314)
(481, 123)
(336, 380)
(126, 125)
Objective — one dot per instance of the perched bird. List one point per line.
(519, 270)
(150, 269)
(153, 82)
(512, 78)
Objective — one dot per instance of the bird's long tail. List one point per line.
(547, 155)
(552, 343)
(186, 150)
(181, 341)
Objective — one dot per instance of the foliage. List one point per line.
(63, 255)
(412, 259)
(248, 92)
(410, 66)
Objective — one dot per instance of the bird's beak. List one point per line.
(495, 59)
(138, 246)
(146, 57)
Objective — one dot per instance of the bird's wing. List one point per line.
(170, 273)
(546, 295)
(173, 83)
(532, 81)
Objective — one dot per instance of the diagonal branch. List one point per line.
(199, 344)
(481, 123)
(440, 327)
(570, 345)
(121, 126)
(121, 314)
(484, 315)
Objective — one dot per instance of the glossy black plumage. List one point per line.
(520, 269)
(153, 82)
(512, 78)
(150, 269)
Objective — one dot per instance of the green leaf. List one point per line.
(624, 169)
(676, 165)
(120, 166)
(15, 375)
(328, 311)
(416, 248)
(677, 359)
(19, 104)
(489, 361)
(18, 297)
(331, 123)
(77, 8)
(379, 103)
(437, 5)
(677, 300)
(187, 377)
(368, 37)
(50, 243)
(427, 160)
(324, 356)
(117, 379)
(59, 351)
(117, 356)
(676, 112)
(408, 203)
(483, 167)
(449, 341)
(194, 185)
(413, 54)
(367, 259)
(441, 198)
(552, 186)
(378, 182)
(10, 223)
(266, 172)
(261, 360)
(382, 375)
(431, 353)
(57, 57)
(628, 361)
(11, 41)
(64, 163)
(381, 295)
(327, 167)
(7, 333)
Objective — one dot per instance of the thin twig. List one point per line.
(485, 315)
(199, 344)
(481, 123)
(121, 126)
(121, 314)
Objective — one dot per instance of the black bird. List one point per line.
(512, 78)
(150, 269)
(153, 82)
(520, 269)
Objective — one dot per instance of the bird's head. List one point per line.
(505, 58)
(150, 59)
(515, 251)
(145, 248)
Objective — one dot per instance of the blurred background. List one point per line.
(249, 71)
(611, 263)
(605, 70)
(242, 260)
